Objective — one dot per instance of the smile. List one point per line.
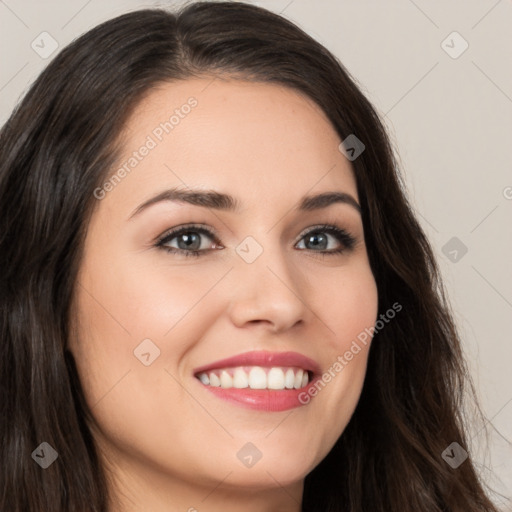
(266, 381)
(256, 377)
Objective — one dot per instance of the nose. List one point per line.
(268, 291)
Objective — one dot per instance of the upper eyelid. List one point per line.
(173, 232)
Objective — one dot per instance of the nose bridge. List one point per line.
(266, 287)
(261, 257)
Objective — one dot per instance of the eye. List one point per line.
(316, 237)
(188, 240)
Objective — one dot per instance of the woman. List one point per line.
(256, 374)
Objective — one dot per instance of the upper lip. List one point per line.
(263, 358)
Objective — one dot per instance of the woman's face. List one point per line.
(158, 313)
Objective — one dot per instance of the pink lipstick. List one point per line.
(261, 380)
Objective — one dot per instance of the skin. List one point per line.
(169, 444)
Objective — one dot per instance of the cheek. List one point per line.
(117, 311)
(120, 309)
(348, 305)
(357, 307)
(346, 300)
(138, 301)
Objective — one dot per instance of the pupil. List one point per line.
(189, 241)
(316, 237)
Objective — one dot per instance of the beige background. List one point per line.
(450, 119)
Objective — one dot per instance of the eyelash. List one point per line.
(347, 241)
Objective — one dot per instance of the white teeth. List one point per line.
(240, 379)
(226, 381)
(256, 377)
(275, 378)
(298, 379)
(214, 380)
(289, 379)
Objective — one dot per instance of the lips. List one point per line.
(271, 381)
(264, 359)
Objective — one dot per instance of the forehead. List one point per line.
(248, 138)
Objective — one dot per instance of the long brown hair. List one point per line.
(57, 148)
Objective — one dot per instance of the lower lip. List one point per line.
(264, 399)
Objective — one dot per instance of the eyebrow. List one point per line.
(226, 202)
